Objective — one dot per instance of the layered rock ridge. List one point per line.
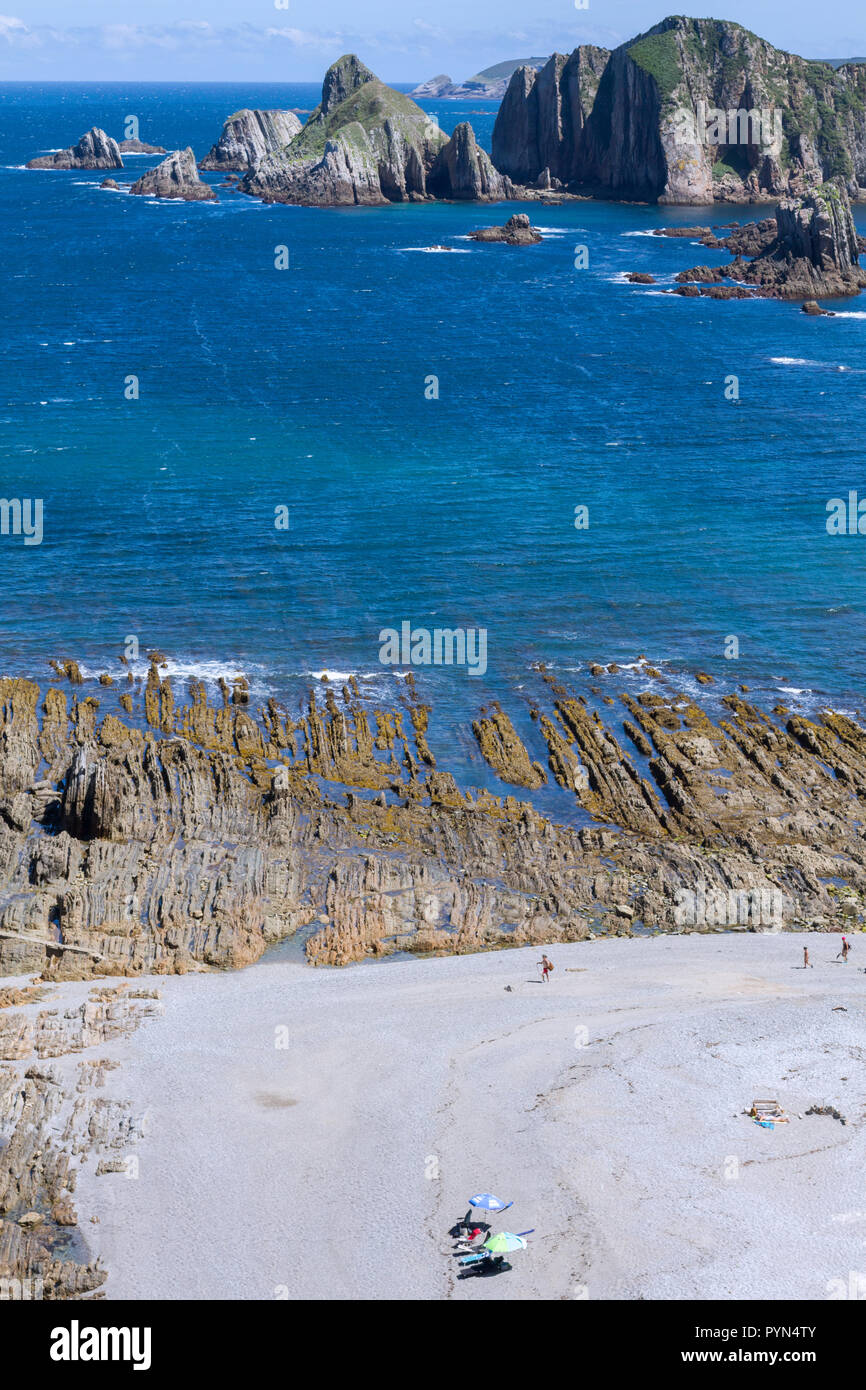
(187, 834)
(250, 136)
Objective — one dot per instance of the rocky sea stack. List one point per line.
(693, 111)
(810, 250)
(463, 170)
(516, 232)
(816, 250)
(250, 136)
(368, 144)
(95, 150)
(175, 177)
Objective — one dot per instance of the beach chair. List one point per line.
(766, 1109)
(464, 1246)
(768, 1113)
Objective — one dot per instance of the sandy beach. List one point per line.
(315, 1133)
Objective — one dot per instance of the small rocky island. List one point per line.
(176, 177)
(367, 144)
(139, 147)
(250, 136)
(517, 231)
(810, 250)
(95, 150)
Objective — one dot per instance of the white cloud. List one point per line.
(300, 38)
(124, 37)
(432, 30)
(15, 31)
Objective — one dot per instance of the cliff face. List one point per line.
(249, 136)
(541, 121)
(95, 150)
(367, 144)
(693, 111)
(175, 177)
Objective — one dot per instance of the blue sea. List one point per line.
(308, 388)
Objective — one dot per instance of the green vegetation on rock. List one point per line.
(369, 108)
(658, 55)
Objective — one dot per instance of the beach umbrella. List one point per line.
(504, 1242)
(486, 1201)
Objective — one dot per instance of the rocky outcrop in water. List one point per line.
(95, 150)
(175, 177)
(810, 250)
(438, 86)
(517, 231)
(489, 85)
(250, 136)
(139, 147)
(815, 254)
(368, 144)
(693, 111)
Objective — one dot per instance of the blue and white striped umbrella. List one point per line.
(486, 1201)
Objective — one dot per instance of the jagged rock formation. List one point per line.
(693, 111)
(250, 136)
(517, 231)
(809, 250)
(95, 150)
(463, 170)
(367, 144)
(195, 835)
(175, 177)
(139, 147)
(815, 253)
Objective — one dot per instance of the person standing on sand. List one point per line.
(844, 952)
(546, 967)
(807, 964)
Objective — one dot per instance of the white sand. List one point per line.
(417, 1083)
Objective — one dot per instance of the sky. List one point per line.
(401, 40)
